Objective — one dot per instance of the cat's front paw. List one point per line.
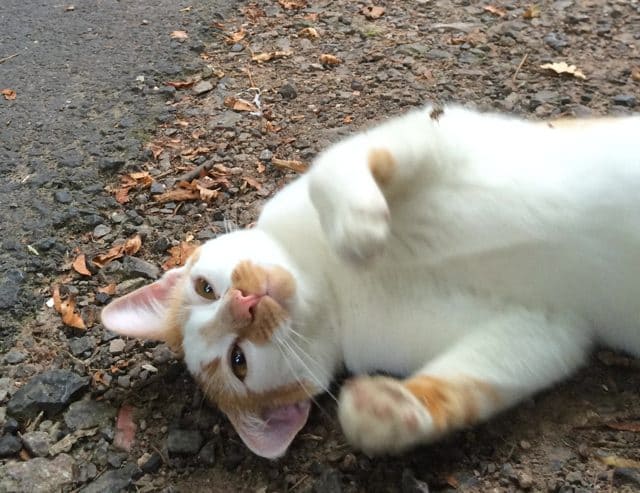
(379, 415)
(358, 230)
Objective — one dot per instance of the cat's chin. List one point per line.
(270, 434)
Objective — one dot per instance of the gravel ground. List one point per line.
(139, 132)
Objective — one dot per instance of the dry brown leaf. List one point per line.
(564, 68)
(260, 168)
(372, 12)
(80, 265)
(179, 35)
(327, 59)
(67, 310)
(615, 461)
(177, 195)
(292, 4)
(500, 12)
(9, 94)
(179, 255)
(473, 38)
(270, 55)
(100, 377)
(625, 426)
(253, 13)
(635, 74)
(238, 104)
(252, 182)
(347, 119)
(109, 289)
(309, 32)
(206, 194)
(125, 428)
(297, 166)
(132, 245)
(236, 37)
(531, 12)
(180, 84)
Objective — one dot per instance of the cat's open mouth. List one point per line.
(289, 415)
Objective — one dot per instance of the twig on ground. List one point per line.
(524, 59)
(2, 60)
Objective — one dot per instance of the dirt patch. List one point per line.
(277, 82)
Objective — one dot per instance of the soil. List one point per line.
(174, 122)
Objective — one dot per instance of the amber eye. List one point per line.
(238, 362)
(204, 289)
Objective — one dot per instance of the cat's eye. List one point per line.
(238, 362)
(205, 289)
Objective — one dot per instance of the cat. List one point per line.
(479, 255)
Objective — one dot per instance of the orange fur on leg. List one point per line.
(382, 166)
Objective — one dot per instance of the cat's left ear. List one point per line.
(143, 313)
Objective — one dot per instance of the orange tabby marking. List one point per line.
(382, 165)
(452, 404)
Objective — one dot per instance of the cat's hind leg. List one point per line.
(494, 367)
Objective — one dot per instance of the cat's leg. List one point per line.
(494, 367)
(353, 184)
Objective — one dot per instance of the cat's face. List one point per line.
(232, 310)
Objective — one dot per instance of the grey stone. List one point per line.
(626, 475)
(412, 485)
(157, 188)
(438, 54)
(113, 481)
(627, 100)
(101, 230)
(10, 288)
(328, 482)
(37, 442)
(557, 41)
(266, 155)
(162, 354)
(207, 454)
(184, 441)
(202, 87)
(288, 91)
(13, 357)
(87, 414)
(39, 475)
(153, 463)
(49, 392)
(63, 197)
(237, 47)
(9, 445)
(82, 345)
(116, 346)
(574, 477)
(135, 266)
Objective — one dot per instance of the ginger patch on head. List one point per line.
(382, 166)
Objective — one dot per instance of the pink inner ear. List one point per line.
(270, 435)
(143, 312)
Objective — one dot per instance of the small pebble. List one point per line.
(101, 230)
(116, 346)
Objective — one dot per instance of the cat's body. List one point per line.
(480, 255)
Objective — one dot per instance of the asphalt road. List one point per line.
(89, 88)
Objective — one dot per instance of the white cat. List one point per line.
(479, 255)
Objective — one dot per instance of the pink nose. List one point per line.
(242, 304)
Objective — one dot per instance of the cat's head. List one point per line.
(231, 309)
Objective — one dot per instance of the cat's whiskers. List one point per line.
(318, 366)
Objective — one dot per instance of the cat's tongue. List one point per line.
(271, 434)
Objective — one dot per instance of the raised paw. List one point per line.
(379, 415)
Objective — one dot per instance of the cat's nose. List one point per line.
(242, 305)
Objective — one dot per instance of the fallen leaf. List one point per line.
(179, 35)
(500, 12)
(473, 38)
(297, 166)
(372, 12)
(531, 12)
(252, 182)
(65, 444)
(635, 74)
(347, 119)
(309, 32)
(292, 4)
(625, 426)
(615, 461)
(564, 68)
(132, 245)
(238, 104)
(109, 289)
(9, 94)
(67, 310)
(206, 194)
(179, 255)
(125, 428)
(101, 377)
(327, 59)
(180, 84)
(236, 37)
(80, 265)
(253, 13)
(270, 55)
(177, 195)
(260, 167)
